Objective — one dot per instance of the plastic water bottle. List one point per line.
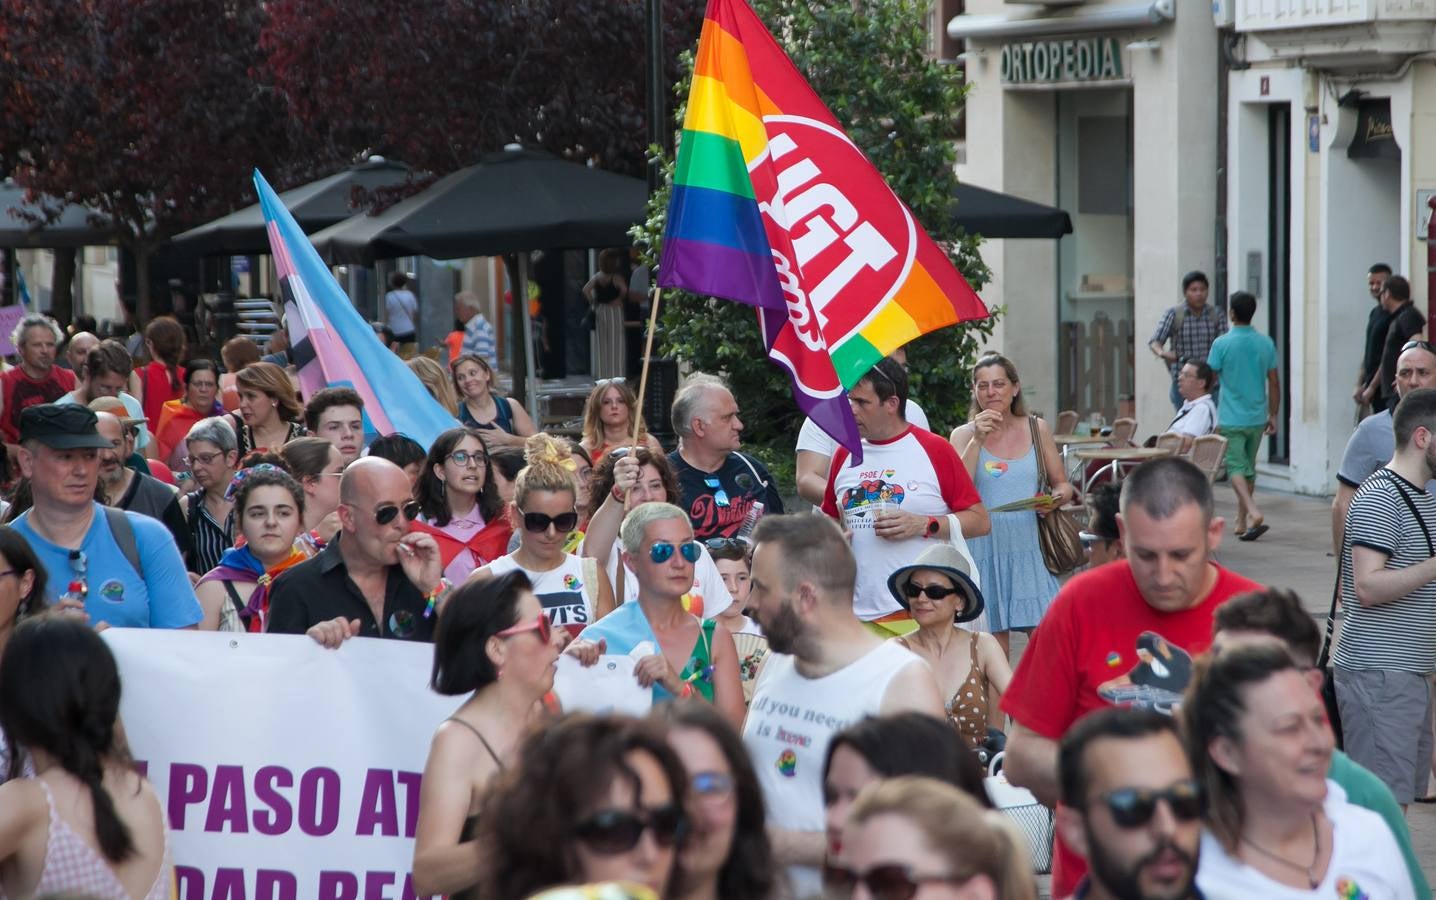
(75, 591)
(755, 512)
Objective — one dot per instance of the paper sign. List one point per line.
(10, 316)
(608, 686)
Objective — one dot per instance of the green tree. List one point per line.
(868, 61)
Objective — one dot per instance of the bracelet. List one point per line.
(431, 599)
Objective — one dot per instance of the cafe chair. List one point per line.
(1171, 441)
(1066, 421)
(1122, 431)
(1208, 453)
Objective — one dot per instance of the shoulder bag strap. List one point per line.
(1043, 485)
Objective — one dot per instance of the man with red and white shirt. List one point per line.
(911, 489)
(1121, 634)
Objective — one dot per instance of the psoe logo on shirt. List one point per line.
(113, 591)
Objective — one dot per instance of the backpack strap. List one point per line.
(124, 534)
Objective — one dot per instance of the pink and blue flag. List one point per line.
(332, 345)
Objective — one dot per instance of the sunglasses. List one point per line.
(613, 831)
(1134, 807)
(720, 496)
(1090, 540)
(712, 786)
(726, 545)
(541, 625)
(389, 512)
(662, 551)
(462, 458)
(933, 591)
(538, 523)
(1424, 345)
(886, 882)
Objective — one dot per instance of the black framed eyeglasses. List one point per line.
(203, 459)
(1134, 807)
(538, 523)
(462, 458)
(891, 881)
(720, 496)
(614, 831)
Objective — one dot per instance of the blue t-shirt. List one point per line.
(117, 595)
(1241, 358)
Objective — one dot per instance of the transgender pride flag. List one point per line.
(333, 346)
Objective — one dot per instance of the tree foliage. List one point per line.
(867, 59)
(440, 83)
(141, 109)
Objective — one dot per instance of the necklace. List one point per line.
(1308, 871)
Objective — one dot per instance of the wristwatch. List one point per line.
(934, 524)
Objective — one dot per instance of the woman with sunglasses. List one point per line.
(1006, 451)
(726, 855)
(589, 799)
(503, 420)
(915, 838)
(317, 465)
(680, 656)
(937, 590)
(270, 414)
(459, 504)
(571, 588)
(623, 480)
(608, 417)
(1275, 826)
(494, 644)
(269, 512)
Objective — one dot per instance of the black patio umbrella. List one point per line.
(997, 215)
(315, 206)
(514, 201)
(74, 228)
(510, 202)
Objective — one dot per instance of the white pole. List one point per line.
(521, 303)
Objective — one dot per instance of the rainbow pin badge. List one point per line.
(571, 582)
(1114, 659)
(788, 763)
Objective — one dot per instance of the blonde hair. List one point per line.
(635, 525)
(549, 467)
(593, 410)
(436, 380)
(974, 841)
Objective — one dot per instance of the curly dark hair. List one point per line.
(749, 870)
(563, 772)
(276, 477)
(429, 490)
(600, 484)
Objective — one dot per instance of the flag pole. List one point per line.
(647, 354)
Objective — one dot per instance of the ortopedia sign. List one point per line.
(1074, 59)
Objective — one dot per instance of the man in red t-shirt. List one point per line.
(37, 379)
(1124, 633)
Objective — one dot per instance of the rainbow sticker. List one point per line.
(571, 582)
(995, 468)
(1347, 889)
(788, 763)
(1114, 659)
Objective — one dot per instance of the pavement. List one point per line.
(1296, 554)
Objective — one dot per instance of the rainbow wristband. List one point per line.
(431, 599)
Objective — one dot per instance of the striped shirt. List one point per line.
(479, 340)
(1400, 635)
(208, 537)
(1194, 339)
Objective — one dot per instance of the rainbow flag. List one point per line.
(333, 346)
(774, 206)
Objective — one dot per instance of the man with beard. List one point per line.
(37, 379)
(1121, 633)
(1131, 806)
(136, 492)
(826, 672)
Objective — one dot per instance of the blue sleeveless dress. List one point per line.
(1015, 581)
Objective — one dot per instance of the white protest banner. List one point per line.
(287, 771)
(608, 687)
